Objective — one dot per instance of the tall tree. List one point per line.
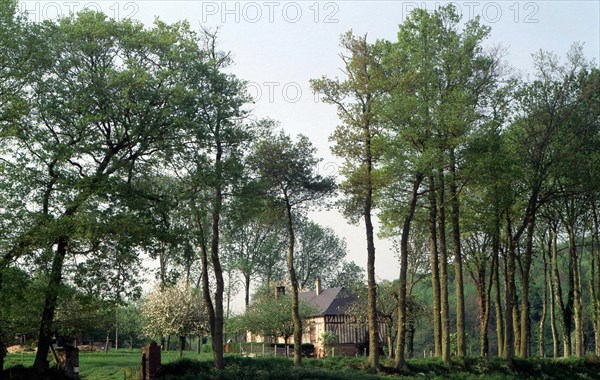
(93, 121)
(442, 81)
(253, 246)
(208, 158)
(358, 141)
(319, 255)
(288, 172)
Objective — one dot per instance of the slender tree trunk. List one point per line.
(525, 341)
(541, 350)
(595, 277)
(246, 290)
(550, 282)
(50, 300)
(445, 308)
(461, 343)
(555, 340)
(509, 339)
(181, 345)
(516, 322)
(577, 308)
(402, 309)
(483, 300)
(116, 334)
(435, 276)
(410, 337)
(564, 312)
(2, 346)
(497, 294)
(371, 282)
(486, 318)
(210, 310)
(294, 281)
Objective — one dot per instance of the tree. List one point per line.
(208, 157)
(94, 119)
(440, 82)
(269, 316)
(174, 310)
(21, 52)
(253, 246)
(358, 141)
(349, 275)
(288, 173)
(545, 106)
(319, 254)
(129, 319)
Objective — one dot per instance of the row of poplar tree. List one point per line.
(440, 134)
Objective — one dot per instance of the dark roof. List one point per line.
(334, 301)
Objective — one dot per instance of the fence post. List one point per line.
(150, 360)
(69, 361)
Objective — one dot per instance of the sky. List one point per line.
(278, 46)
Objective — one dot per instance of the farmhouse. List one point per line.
(332, 316)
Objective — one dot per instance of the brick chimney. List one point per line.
(318, 286)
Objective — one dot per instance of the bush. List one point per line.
(206, 348)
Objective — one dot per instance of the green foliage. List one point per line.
(271, 316)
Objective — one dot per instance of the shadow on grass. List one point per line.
(357, 368)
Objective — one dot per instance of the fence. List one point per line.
(266, 349)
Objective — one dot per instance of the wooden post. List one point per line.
(150, 360)
(69, 361)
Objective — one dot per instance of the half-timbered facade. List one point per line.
(332, 316)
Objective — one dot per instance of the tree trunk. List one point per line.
(294, 282)
(577, 307)
(509, 339)
(525, 325)
(51, 296)
(445, 308)
(371, 281)
(410, 337)
(107, 342)
(541, 349)
(116, 335)
(181, 345)
(435, 276)
(516, 322)
(246, 290)
(550, 282)
(595, 277)
(217, 335)
(2, 346)
(483, 300)
(498, 298)
(210, 311)
(564, 312)
(461, 344)
(402, 310)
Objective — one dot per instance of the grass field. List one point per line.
(105, 366)
(125, 364)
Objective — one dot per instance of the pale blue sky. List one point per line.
(279, 46)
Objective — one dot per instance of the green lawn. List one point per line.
(125, 364)
(101, 366)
